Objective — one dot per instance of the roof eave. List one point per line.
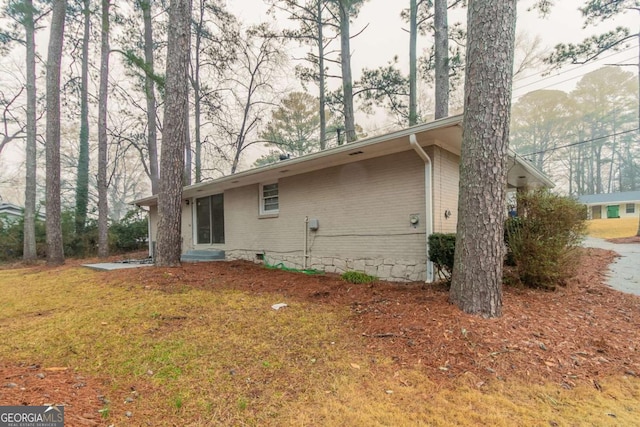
(327, 155)
(537, 174)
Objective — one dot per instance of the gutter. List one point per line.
(428, 198)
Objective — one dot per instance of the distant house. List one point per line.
(369, 205)
(10, 213)
(612, 205)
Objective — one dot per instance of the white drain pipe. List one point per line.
(305, 253)
(428, 197)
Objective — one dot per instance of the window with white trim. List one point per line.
(631, 208)
(269, 203)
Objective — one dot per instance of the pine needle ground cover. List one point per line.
(201, 345)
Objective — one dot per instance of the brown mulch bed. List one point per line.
(580, 333)
(632, 239)
(35, 385)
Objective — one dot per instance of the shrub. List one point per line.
(357, 277)
(442, 247)
(542, 241)
(10, 239)
(12, 235)
(82, 244)
(126, 235)
(130, 233)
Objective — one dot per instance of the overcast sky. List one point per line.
(385, 37)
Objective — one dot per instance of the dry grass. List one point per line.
(224, 357)
(613, 228)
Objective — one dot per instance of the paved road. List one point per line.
(624, 272)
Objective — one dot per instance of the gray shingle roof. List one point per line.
(624, 197)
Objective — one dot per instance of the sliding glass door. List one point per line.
(210, 219)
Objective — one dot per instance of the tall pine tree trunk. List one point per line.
(55, 249)
(174, 143)
(197, 123)
(347, 79)
(195, 83)
(413, 63)
(82, 177)
(188, 153)
(29, 242)
(322, 97)
(633, 182)
(476, 285)
(103, 207)
(441, 36)
(149, 87)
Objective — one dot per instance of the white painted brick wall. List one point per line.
(363, 209)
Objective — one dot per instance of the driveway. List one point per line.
(624, 272)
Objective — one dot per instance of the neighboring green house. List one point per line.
(612, 205)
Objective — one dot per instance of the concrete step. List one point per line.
(202, 255)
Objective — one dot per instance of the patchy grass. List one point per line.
(224, 357)
(613, 228)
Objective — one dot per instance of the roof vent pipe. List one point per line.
(428, 198)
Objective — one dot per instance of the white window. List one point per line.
(631, 208)
(269, 203)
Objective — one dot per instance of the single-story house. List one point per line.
(11, 213)
(368, 206)
(612, 205)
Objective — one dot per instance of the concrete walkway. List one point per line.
(108, 266)
(624, 272)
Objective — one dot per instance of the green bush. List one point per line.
(357, 277)
(12, 235)
(543, 239)
(129, 234)
(442, 247)
(10, 239)
(82, 244)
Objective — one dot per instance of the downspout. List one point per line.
(428, 197)
(149, 239)
(305, 254)
(151, 251)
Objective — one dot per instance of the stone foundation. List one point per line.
(395, 270)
